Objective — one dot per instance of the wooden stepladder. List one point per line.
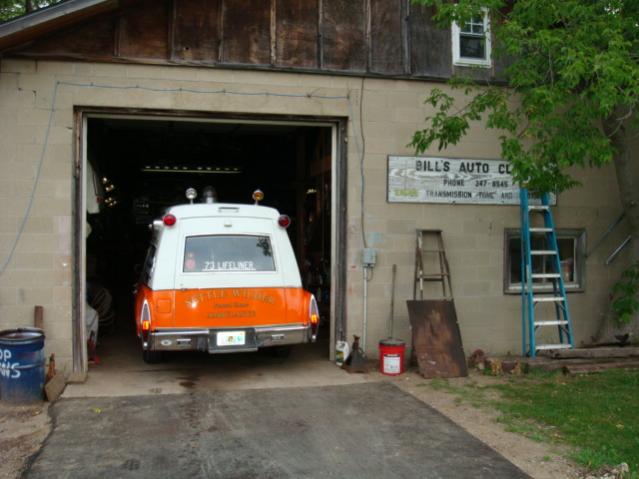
(429, 253)
(534, 297)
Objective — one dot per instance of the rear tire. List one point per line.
(151, 357)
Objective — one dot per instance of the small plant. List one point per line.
(625, 303)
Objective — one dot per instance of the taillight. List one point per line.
(169, 220)
(314, 318)
(145, 321)
(284, 221)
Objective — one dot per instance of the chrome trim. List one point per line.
(292, 327)
(174, 339)
(180, 332)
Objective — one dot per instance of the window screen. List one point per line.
(228, 254)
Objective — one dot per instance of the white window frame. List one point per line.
(466, 61)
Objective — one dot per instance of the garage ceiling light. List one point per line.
(219, 170)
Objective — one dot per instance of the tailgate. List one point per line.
(240, 307)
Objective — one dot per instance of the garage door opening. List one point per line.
(137, 167)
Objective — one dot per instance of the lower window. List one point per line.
(572, 249)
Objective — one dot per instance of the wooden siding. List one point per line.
(344, 32)
(297, 33)
(431, 47)
(196, 30)
(386, 38)
(143, 31)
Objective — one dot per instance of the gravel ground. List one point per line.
(22, 431)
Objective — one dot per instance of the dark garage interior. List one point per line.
(139, 167)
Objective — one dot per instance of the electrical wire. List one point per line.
(36, 180)
(45, 143)
(361, 163)
(222, 91)
(361, 153)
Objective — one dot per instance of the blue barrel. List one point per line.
(21, 365)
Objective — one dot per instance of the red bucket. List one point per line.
(391, 356)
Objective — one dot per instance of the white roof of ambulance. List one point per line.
(221, 219)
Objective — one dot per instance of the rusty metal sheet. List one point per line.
(196, 32)
(343, 30)
(296, 33)
(386, 36)
(143, 31)
(430, 46)
(246, 36)
(437, 342)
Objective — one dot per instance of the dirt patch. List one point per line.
(22, 431)
(538, 459)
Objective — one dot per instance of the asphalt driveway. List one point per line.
(371, 430)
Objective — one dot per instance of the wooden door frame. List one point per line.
(338, 202)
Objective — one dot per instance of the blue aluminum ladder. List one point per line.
(533, 298)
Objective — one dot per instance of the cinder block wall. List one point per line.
(41, 271)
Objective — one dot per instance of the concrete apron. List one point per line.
(121, 371)
(367, 431)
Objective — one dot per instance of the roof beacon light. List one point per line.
(258, 195)
(169, 220)
(284, 221)
(191, 194)
(209, 195)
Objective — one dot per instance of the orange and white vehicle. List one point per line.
(221, 278)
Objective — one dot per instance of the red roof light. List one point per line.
(169, 220)
(284, 221)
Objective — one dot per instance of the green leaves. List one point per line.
(13, 8)
(625, 303)
(574, 63)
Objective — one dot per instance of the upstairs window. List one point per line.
(471, 42)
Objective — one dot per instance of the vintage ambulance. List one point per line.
(221, 278)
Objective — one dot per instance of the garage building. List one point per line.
(110, 109)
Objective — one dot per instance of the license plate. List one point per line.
(231, 338)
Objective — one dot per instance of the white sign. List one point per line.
(228, 266)
(451, 180)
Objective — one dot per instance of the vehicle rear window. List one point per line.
(228, 254)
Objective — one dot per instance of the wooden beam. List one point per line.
(38, 317)
(625, 352)
(273, 32)
(171, 29)
(598, 367)
(406, 36)
(320, 40)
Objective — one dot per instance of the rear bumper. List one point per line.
(184, 339)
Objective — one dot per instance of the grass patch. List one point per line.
(598, 414)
